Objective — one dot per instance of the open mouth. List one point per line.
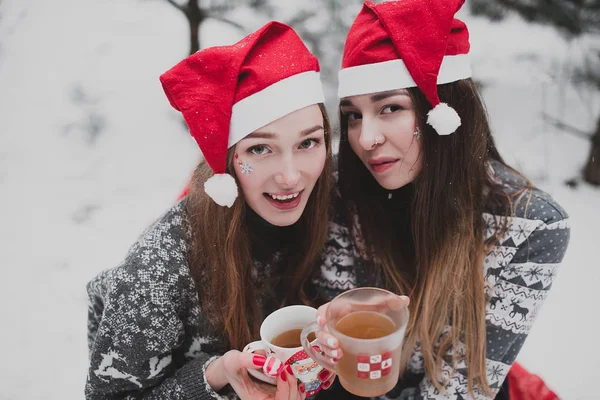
(284, 201)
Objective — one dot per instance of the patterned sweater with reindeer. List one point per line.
(519, 271)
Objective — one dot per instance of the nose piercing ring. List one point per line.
(375, 143)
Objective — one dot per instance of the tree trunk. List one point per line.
(195, 18)
(591, 173)
(194, 36)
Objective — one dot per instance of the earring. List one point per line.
(244, 166)
(417, 133)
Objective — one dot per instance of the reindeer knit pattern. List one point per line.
(518, 271)
(147, 336)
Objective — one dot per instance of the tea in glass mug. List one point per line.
(369, 324)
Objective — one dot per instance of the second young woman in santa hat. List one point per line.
(167, 322)
(428, 207)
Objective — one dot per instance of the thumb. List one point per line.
(253, 361)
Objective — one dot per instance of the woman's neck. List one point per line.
(266, 238)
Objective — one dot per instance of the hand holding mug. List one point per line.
(329, 344)
(361, 331)
(232, 368)
(280, 339)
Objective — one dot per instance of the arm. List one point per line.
(519, 272)
(133, 342)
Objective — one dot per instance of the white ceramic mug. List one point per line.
(304, 368)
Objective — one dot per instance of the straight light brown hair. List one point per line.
(220, 257)
(445, 281)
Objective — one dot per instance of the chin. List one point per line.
(391, 184)
(283, 221)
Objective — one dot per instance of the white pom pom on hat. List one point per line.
(444, 119)
(222, 189)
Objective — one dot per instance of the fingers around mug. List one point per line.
(292, 382)
(329, 345)
(312, 351)
(397, 303)
(234, 360)
(322, 315)
(287, 388)
(329, 381)
(338, 309)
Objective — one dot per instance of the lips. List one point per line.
(284, 201)
(382, 164)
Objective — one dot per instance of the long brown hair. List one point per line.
(220, 256)
(445, 281)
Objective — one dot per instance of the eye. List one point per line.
(390, 109)
(258, 150)
(309, 143)
(353, 116)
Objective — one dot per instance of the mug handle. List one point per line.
(322, 361)
(258, 373)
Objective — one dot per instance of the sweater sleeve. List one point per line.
(147, 337)
(519, 272)
(132, 339)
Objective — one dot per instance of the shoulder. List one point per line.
(154, 270)
(527, 203)
(538, 229)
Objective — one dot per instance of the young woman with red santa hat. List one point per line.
(430, 210)
(167, 322)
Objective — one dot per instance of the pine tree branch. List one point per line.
(227, 21)
(567, 128)
(176, 5)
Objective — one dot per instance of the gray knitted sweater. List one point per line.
(148, 338)
(519, 271)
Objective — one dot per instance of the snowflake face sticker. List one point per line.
(245, 166)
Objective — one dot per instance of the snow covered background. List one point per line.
(91, 153)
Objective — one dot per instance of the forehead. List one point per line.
(295, 122)
(372, 97)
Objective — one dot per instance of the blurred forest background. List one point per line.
(91, 153)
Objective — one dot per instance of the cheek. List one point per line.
(313, 164)
(250, 183)
(353, 138)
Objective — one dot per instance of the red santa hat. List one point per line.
(407, 43)
(227, 92)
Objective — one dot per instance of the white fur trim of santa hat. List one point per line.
(444, 119)
(222, 189)
(274, 102)
(393, 74)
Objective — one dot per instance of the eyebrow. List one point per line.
(378, 96)
(271, 135)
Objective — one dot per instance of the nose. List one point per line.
(369, 135)
(288, 175)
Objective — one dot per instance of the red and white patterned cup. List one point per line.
(304, 368)
(369, 324)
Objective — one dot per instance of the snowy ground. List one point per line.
(91, 153)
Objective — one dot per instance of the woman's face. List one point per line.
(279, 164)
(381, 131)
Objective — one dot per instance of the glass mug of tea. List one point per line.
(369, 324)
(280, 338)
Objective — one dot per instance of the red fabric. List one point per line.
(206, 85)
(523, 385)
(420, 33)
(184, 192)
